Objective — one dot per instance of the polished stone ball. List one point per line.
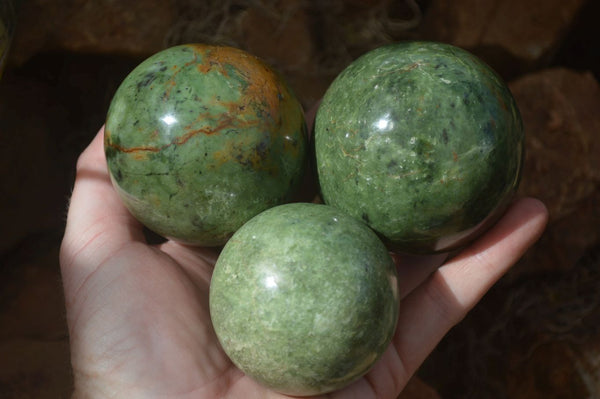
(200, 138)
(423, 142)
(304, 298)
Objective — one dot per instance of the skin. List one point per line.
(138, 314)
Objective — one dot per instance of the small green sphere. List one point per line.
(200, 138)
(304, 298)
(422, 141)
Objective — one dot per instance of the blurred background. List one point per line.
(535, 335)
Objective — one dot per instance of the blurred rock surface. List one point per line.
(562, 165)
(34, 345)
(514, 36)
(135, 28)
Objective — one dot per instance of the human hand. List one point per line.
(138, 314)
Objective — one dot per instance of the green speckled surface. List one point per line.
(422, 141)
(304, 298)
(200, 138)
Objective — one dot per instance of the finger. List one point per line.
(449, 293)
(97, 222)
(414, 269)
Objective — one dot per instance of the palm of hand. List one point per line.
(147, 317)
(145, 310)
(139, 320)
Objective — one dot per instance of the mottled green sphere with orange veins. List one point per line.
(201, 138)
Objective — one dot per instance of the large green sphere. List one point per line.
(304, 299)
(423, 142)
(200, 138)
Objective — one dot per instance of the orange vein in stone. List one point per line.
(224, 123)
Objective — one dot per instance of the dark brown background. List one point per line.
(535, 335)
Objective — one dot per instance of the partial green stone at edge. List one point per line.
(201, 138)
(423, 142)
(304, 298)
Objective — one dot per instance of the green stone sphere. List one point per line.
(304, 298)
(423, 142)
(200, 138)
